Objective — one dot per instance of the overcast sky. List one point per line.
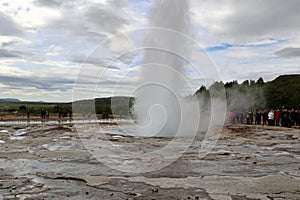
(44, 43)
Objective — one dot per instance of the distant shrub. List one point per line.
(22, 108)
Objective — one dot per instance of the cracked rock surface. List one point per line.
(55, 162)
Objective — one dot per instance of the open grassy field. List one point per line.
(19, 110)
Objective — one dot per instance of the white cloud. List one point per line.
(262, 42)
(242, 53)
(121, 44)
(54, 50)
(13, 71)
(28, 15)
(6, 40)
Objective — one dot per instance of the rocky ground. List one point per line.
(52, 162)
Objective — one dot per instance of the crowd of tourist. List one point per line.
(279, 117)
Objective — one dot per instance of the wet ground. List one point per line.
(51, 161)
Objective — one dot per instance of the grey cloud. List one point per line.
(111, 63)
(128, 59)
(5, 44)
(8, 26)
(48, 83)
(7, 54)
(259, 18)
(55, 84)
(105, 18)
(94, 22)
(99, 62)
(289, 52)
(48, 3)
(119, 3)
(74, 24)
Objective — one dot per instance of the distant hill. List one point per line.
(287, 78)
(283, 91)
(10, 100)
(39, 101)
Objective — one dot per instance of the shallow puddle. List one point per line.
(17, 137)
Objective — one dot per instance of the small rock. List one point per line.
(111, 194)
(39, 184)
(154, 190)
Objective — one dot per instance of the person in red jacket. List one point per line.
(277, 117)
(233, 116)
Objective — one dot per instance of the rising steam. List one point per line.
(160, 106)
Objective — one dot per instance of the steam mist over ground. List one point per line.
(247, 96)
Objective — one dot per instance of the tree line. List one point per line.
(284, 91)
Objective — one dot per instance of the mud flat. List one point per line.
(48, 161)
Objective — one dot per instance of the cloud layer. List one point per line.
(289, 52)
(45, 43)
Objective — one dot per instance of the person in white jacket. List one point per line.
(271, 118)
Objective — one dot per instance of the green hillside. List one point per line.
(283, 91)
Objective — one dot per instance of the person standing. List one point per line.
(284, 118)
(28, 114)
(233, 116)
(251, 117)
(248, 118)
(70, 115)
(265, 117)
(47, 114)
(277, 117)
(293, 117)
(258, 117)
(298, 118)
(271, 118)
(241, 117)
